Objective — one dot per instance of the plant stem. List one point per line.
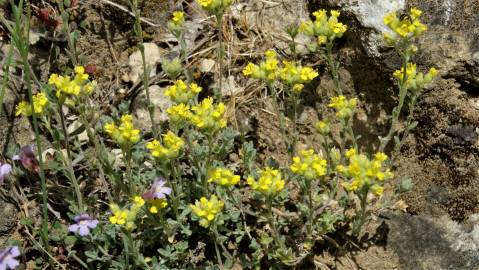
(217, 250)
(397, 110)
(127, 158)
(219, 24)
(22, 44)
(272, 222)
(146, 71)
(350, 131)
(311, 210)
(295, 131)
(362, 214)
(280, 115)
(208, 164)
(333, 67)
(173, 185)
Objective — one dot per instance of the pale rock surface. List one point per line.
(160, 102)
(135, 62)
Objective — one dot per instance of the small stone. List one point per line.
(135, 62)
(206, 65)
(230, 87)
(160, 102)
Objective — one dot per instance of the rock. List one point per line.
(206, 65)
(230, 87)
(274, 20)
(160, 102)
(8, 212)
(152, 57)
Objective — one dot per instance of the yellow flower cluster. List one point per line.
(344, 107)
(309, 165)
(126, 217)
(269, 182)
(296, 76)
(125, 133)
(223, 177)
(180, 92)
(415, 80)
(179, 113)
(40, 102)
(178, 17)
(365, 174)
(324, 28)
(207, 116)
(404, 28)
(78, 86)
(215, 6)
(176, 23)
(267, 70)
(207, 210)
(323, 127)
(155, 205)
(170, 149)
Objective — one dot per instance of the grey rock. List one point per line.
(160, 102)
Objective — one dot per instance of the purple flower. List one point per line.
(83, 225)
(7, 258)
(27, 156)
(5, 169)
(157, 190)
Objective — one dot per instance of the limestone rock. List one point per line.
(152, 57)
(160, 102)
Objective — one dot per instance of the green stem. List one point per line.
(295, 131)
(217, 250)
(361, 219)
(208, 164)
(311, 209)
(397, 110)
(333, 67)
(272, 223)
(280, 115)
(173, 184)
(127, 158)
(219, 24)
(146, 72)
(66, 28)
(350, 131)
(22, 44)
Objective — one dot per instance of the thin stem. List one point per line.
(22, 44)
(272, 223)
(146, 72)
(208, 164)
(295, 131)
(65, 131)
(280, 115)
(66, 28)
(219, 24)
(333, 67)
(362, 214)
(217, 250)
(350, 131)
(173, 185)
(311, 210)
(397, 110)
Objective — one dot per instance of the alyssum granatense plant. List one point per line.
(174, 200)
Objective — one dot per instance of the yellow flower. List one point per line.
(124, 134)
(223, 177)
(309, 165)
(180, 92)
(296, 76)
(40, 103)
(404, 28)
(178, 17)
(325, 29)
(323, 127)
(269, 182)
(364, 172)
(78, 86)
(156, 204)
(344, 107)
(172, 145)
(126, 217)
(414, 80)
(215, 6)
(179, 113)
(267, 70)
(207, 116)
(207, 210)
